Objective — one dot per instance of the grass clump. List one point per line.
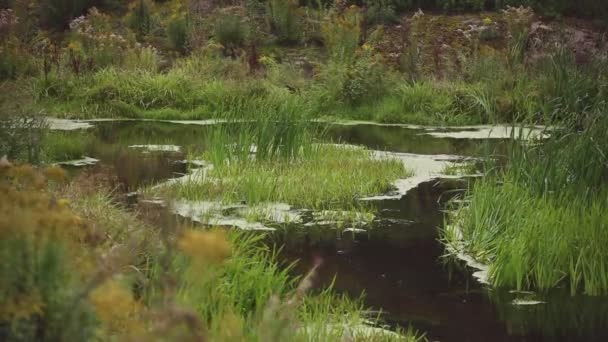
(539, 223)
(329, 177)
(63, 146)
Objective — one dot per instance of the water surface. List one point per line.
(398, 264)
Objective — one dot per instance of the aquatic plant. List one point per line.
(64, 146)
(327, 177)
(539, 222)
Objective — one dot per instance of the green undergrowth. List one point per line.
(552, 90)
(540, 222)
(329, 177)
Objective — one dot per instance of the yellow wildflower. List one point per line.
(63, 203)
(487, 21)
(210, 245)
(115, 306)
(55, 173)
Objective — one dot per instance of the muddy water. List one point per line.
(398, 264)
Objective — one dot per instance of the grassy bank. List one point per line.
(334, 61)
(78, 267)
(492, 93)
(539, 222)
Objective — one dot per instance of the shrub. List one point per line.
(380, 11)
(93, 45)
(56, 14)
(140, 19)
(342, 33)
(21, 134)
(41, 290)
(178, 33)
(353, 83)
(285, 20)
(231, 31)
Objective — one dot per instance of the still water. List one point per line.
(398, 264)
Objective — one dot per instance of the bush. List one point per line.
(21, 134)
(353, 83)
(140, 19)
(285, 20)
(56, 14)
(342, 33)
(380, 11)
(231, 31)
(42, 294)
(178, 33)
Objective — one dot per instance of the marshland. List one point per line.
(313, 170)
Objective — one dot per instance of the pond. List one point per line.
(398, 263)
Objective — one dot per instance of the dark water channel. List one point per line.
(398, 264)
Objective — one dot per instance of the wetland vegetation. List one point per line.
(264, 111)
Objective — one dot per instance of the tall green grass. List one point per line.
(250, 298)
(329, 178)
(63, 146)
(540, 221)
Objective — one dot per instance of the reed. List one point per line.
(539, 222)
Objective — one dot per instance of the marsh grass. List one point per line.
(540, 221)
(328, 178)
(63, 146)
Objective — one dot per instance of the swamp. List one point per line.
(303, 170)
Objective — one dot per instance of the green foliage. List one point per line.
(21, 134)
(40, 291)
(63, 146)
(143, 59)
(56, 14)
(231, 31)
(571, 92)
(140, 19)
(281, 131)
(539, 222)
(285, 20)
(461, 5)
(342, 33)
(380, 11)
(324, 177)
(15, 63)
(178, 31)
(425, 99)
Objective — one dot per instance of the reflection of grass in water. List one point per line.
(63, 146)
(456, 169)
(560, 315)
(541, 222)
(331, 177)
